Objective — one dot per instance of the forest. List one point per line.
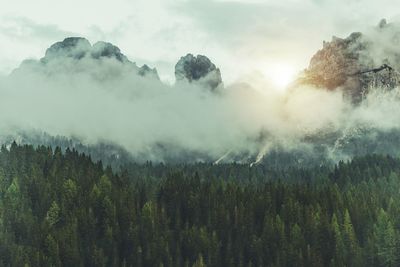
(60, 208)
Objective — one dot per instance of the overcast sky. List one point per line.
(239, 36)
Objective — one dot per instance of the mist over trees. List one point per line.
(97, 97)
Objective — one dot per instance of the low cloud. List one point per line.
(106, 102)
(99, 100)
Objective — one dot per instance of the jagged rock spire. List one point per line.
(79, 48)
(198, 69)
(346, 63)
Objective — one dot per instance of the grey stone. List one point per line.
(75, 47)
(198, 69)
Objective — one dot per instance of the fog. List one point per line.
(104, 100)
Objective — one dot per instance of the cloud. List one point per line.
(24, 29)
(262, 34)
(237, 35)
(104, 101)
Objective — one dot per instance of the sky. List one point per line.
(240, 37)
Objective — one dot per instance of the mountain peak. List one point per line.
(198, 69)
(79, 49)
(75, 47)
(355, 64)
(107, 50)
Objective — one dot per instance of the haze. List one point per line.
(239, 36)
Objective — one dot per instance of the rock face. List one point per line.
(108, 50)
(77, 54)
(75, 47)
(358, 62)
(198, 69)
(79, 49)
(146, 71)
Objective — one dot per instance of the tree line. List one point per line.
(59, 208)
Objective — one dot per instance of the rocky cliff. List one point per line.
(357, 63)
(199, 70)
(77, 54)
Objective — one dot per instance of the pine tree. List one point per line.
(385, 240)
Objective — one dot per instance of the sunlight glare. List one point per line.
(281, 75)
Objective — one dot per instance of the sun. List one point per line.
(281, 75)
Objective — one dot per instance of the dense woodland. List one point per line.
(62, 209)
